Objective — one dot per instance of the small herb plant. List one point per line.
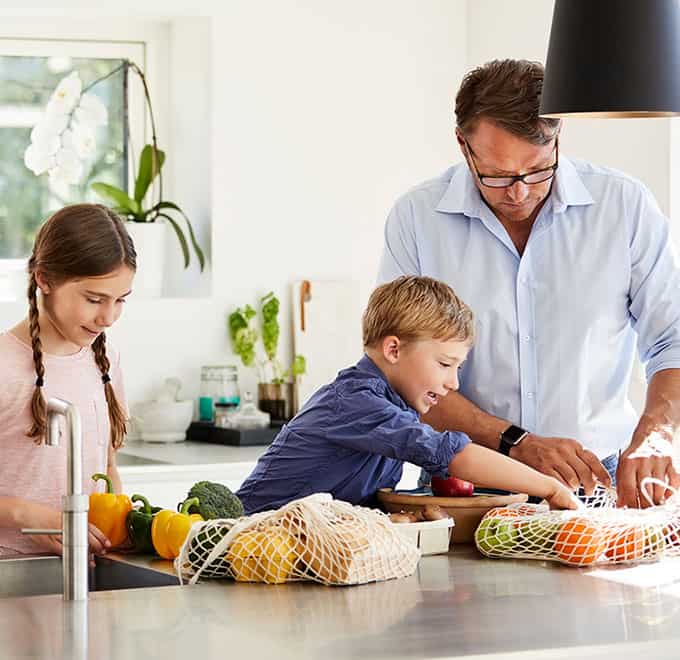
(244, 334)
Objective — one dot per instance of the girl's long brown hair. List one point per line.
(82, 240)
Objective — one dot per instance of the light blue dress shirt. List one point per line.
(558, 327)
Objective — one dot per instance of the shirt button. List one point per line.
(527, 338)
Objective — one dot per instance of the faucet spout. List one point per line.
(74, 503)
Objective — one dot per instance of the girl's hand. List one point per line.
(97, 541)
(48, 543)
(560, 497)
(39, 516)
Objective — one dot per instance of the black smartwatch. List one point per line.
(511, 437)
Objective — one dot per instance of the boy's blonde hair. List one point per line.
(415, 307)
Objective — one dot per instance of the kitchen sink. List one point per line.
(40, 575)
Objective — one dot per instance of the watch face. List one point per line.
(513, 435)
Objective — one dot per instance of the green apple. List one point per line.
(654, 543)
(538, 536)
(495, 536)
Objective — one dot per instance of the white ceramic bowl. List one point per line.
(164, 422)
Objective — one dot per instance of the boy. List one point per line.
(353, 435)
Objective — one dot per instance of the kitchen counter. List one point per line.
(456, 605)
(137, 452)
(166, 471)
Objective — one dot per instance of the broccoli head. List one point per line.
(215, 501)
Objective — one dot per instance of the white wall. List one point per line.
(321, 114)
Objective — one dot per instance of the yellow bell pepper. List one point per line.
(262, 557)
(169, 529)
(108, 512)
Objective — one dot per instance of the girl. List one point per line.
(80, 273)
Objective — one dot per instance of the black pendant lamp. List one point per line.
(613, 58)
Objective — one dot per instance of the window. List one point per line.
(29, 72)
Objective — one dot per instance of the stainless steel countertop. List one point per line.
(187, 453)
(456, 605)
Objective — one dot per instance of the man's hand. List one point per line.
(650, 454)
(562, 458)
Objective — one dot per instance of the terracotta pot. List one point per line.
(277, 400)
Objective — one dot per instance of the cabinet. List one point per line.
(167, 485)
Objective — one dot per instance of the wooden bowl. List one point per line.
(465, 511)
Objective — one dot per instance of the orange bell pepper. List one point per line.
(108, 512)
(170, 529)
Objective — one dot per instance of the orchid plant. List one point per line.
(65, 138)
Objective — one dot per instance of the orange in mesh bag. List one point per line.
(314, 538)
(598, 533)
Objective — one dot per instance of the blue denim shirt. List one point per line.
(350, 439)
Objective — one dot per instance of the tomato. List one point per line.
(451, 487)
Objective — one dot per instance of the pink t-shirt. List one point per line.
(38, 472)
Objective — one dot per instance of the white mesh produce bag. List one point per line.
(314, 538)
(599, 533)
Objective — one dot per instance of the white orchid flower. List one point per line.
(48, 129)
(82, 140)
(38, 161)
(68, 168)
(65, 96)
(91, 111)
(65, 135)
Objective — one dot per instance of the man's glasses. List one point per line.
(530, 178)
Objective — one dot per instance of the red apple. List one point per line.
(451, 487)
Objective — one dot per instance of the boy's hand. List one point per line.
(560, 497)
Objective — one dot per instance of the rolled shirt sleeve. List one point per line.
(654, 286)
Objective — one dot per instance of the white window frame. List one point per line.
(145, 43)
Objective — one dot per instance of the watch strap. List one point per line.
(510, 438)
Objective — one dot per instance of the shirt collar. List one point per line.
(569, 189)
(462, 195)
(366, 364)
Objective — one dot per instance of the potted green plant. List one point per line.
(133, 208)
(63, 141)
(275, 390)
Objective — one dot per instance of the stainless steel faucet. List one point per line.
(74, 503)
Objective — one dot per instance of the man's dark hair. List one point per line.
(508, 93)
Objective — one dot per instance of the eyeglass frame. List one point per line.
(515, 177)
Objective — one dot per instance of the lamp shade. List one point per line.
(613, 58)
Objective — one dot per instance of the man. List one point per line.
(566, 266)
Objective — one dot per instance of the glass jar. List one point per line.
(248, 416)
(223, 413)
(219, 384)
